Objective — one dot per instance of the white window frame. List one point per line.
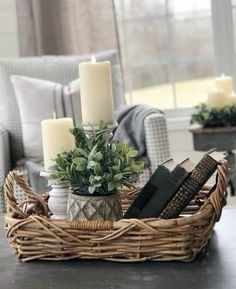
(223, 37)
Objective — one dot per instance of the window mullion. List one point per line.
(223, 37)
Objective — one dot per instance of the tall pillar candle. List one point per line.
(96, 92)
(56, 138)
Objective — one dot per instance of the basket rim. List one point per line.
(213, 204)
(153, 222)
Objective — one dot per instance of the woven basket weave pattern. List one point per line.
(35, 236)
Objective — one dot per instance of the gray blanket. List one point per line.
(130, 128)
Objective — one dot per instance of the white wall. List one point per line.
(8, 29)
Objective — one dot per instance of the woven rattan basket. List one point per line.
(33, 235)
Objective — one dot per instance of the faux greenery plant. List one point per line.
(214, 117)
(97, 166)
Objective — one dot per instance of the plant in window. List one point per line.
(214, 117)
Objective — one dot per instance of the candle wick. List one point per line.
(54, 115)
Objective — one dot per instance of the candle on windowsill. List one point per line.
(96, 92)
(56, 138)
(216, 99)
(222, 94)
(224, 83)
(233, 95)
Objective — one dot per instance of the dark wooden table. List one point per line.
(213, 269)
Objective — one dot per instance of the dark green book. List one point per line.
(199, 176)
(156, 180)
(167, 190)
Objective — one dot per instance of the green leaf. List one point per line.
(79, 161)
(140, 163)
(109, 177)
(91, 189)
(111, 186)
(127, 169)
(82, 152)
(125, 148)
(98, 156)
(136, 169)
(113, 147)
(81, 164)
(118, 177)
(98, 178)
(91, 154)
(60, 161)
(132, 153)
(102, 125)
(53, 168)
(98, 169)
(91, 180)
(91, 164)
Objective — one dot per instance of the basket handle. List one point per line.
(219, 195)
(12, 206)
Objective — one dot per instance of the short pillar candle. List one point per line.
(56, 139)
(218, 99)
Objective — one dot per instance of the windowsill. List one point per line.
(178, 123)
(178, 112)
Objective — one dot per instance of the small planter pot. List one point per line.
(85, 207)
(221, 138)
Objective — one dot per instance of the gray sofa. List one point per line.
(61, 69)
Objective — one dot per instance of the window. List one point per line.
(167, 51)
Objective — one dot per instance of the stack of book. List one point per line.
(172, 186)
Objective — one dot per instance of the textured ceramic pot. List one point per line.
(94, 207)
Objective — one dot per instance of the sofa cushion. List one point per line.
(42, 99)
(60, 69)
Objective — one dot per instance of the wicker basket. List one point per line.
(34, 235)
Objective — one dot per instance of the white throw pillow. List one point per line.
(38, 100)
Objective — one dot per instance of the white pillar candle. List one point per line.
(96, 92)
(224, 83)
(218, 99)
(56, 138)
(233, 96)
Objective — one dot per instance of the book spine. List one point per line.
(163, 195)
(200, 175)
(156, 180)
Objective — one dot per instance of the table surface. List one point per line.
(213, 269)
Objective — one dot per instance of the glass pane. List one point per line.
(166, 44)
(160, 96)
(193, 38)
(136, 10)
(188, 7)
(146, 42)
(234, 22)
(192, 92)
